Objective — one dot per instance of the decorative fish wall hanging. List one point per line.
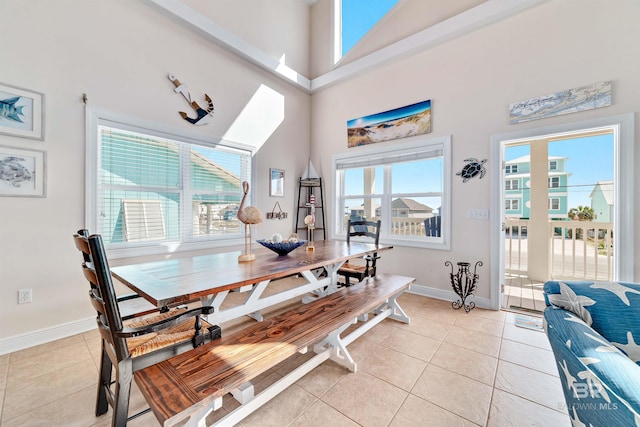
(9, 111)
(203, 116)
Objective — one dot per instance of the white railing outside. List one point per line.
(515, 246)
(401, 226)
(408, 226)
(578, 249)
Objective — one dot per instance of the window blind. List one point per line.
(387, 158)
(152, 188)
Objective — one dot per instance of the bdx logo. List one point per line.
(584, 390)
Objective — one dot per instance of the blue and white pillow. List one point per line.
(611, 308)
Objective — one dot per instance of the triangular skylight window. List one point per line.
(358, 17)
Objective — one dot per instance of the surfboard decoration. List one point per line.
(204, 116)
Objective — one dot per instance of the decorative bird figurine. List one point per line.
(247, 215)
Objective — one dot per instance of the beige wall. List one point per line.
(471, 80)
(119, 53)
(278, 28)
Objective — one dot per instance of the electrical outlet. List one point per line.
(24, 296)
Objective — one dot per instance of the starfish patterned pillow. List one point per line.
(611, 308)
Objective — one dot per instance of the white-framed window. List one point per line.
(406, 185)
(153, 190)
(352, 21)
(554, 182)
(554, 203)
(511, 204)
(511, 169)
(511, 184)
(553, 165)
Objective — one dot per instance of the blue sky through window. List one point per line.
(359, 16)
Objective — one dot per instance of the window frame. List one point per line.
(509, 169)
(98, 117)
(336, 36)
(550, 182)
(508, 184)
(550, 203)
(511, 203)
(416, 143)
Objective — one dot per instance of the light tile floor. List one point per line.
(446, 368)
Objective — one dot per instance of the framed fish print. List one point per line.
(22, 172)
(21, 112)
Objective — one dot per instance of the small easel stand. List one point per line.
(248, 254)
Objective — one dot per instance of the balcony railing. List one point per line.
(578, 249)
(404, 226)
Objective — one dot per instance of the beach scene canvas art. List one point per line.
(414, 119)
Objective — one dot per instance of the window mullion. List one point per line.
(386, 202)
(186, 195)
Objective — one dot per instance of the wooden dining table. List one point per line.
(210, 277)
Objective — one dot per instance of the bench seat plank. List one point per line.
(206, 373)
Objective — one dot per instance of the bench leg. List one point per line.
(243, 393)
(337, 349)
(397, 311)
(199, 418)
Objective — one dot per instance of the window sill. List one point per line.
(437, 244)
(166, 248)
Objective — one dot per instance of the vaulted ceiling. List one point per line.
(446, 20)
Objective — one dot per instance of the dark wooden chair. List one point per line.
(130, 305)
(353, 268)
(138, 343)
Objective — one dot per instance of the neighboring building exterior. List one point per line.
(408, 208)
(602, 201)
(517, 188)
(401, 208)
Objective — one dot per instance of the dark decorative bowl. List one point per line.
(282, 248)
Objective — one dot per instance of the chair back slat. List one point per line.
(82, 244)
(364, 228)
(97, 302)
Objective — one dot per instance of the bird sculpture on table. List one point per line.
(247, 215)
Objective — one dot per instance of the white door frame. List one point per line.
(624, 176)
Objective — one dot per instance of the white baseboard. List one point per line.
(447, 295)
(43, 336)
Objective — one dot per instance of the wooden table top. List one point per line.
(187, 279)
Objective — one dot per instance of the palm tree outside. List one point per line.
(581, 213)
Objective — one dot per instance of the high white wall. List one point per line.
(119, 52)
(471, 81)
(278, 28)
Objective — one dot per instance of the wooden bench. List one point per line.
(189, 386)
